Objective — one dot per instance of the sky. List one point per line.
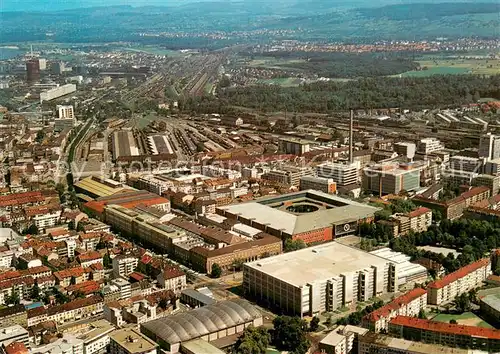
(55, 5)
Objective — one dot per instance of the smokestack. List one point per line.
(351, 139)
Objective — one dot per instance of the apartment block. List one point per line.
(391, 178)
(325, 185)
(342, 174)
(429, 145)
(461, 281)
(408, 304)
(123, 265)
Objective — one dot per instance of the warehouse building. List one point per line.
(209, 323)
(311, 216)
(318, 279)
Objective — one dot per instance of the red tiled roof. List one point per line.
(137, 276)
(68, 273)
(87, 287)
(16, 348)
(448, 328)
(396, 304)
(46, 279)
(89, 256)
(10, 275)
(37, 270)
(462, 272)
(146, 259)
(18, 281)
(418, 212)
(21, 198)
(97, 266)
(76, 304)
(475, 191)
(172, 272)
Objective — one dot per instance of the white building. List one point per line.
(68, 344)
(50, 219)
(131, 341)
(318, 279)
(341, 340)
(123, 265)
(172, 279)
(65, 111)
(405, 149)
(57, 92)
(124, 286)
(96, 339)
(6, 258)
(14, 333)
(429, 145)
(489, 146)
(340, 173)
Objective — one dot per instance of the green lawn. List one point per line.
(467, 318)
(284, 82)
(437, 70)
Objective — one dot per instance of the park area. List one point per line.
(466, 318)
(455, 66)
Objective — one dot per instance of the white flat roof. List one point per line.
(317, 263)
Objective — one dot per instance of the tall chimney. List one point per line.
(351, 139)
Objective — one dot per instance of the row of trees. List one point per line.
(355, 318)
(438, 91)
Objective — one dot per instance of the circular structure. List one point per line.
(302, 208)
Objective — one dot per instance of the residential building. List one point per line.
(124, 286)
(461, 281)
(391, 178)
(417, 220)
(325, 185)
(13, 315)
(14, 333)
(96, 339)
(429, 145)
(465, 164)
(172, 278)
(342, 174)
(75, 310)
(371, 342)
(445, 334)
(409, 304)
(305, 282)
(68, 344)
(492, 182)
(123, 265)
(65, 111)
(489, 146)
(342, 340)
(131, 341)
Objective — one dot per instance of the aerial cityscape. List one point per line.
(249, 177)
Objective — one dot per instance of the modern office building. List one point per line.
(288, 175)
(489, 146)
(459, 282)
(14, 333)
(342, 174)
(429, 145)
(465, 164)
(309, 215)
(57, 92)
(445, 334)
(391, 178)
(325, 185)
(130, 341)
(33, 70)
(209, 323)
(318, 279)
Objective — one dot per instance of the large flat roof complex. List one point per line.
(313, 264)
(294, 214)
(318, 279)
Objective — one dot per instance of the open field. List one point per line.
(442, 250)
(274, 63)
(467, 318)
(455, 66)
(283, 82)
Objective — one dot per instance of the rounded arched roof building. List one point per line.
(209, 322)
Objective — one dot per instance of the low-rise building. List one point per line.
(131, 341)
(342, 340)
(96, 338)
(14, 333)
(445, 334)
(461, 281)
(489, 302)
(409, 304)
(195, 298)
(325, 185)
(172, 278)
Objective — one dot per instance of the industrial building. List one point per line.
(311, 216)
(294, 146)
(391, 178)
(318, 279)
(96, 187)
(209, 323)
(124, 144)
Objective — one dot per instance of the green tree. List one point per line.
(314, 325)
(290, 334)
(421, 314)
(32, 230)
(40, 135)
(216, 271)
(462, 303)
(453, 321)
(238, 264)
(13, 299)
(80, 227)
(35, 292)
(71, 225)
(294, 245)
(107, 262)
(252, 341)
